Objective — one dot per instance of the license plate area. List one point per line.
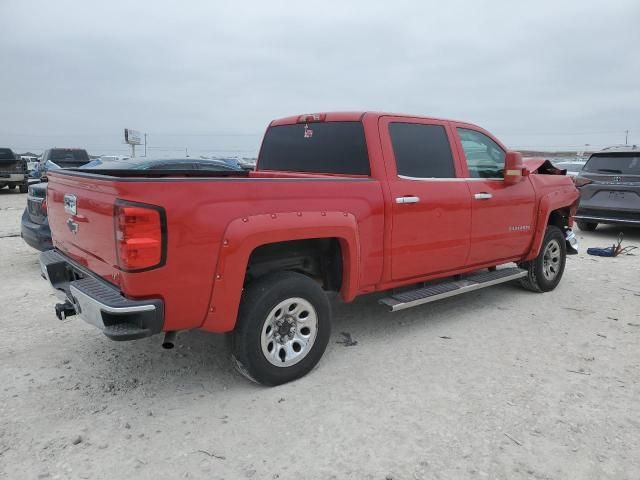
(616, 195)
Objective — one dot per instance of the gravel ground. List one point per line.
(500, 383)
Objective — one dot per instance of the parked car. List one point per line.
(144, 163)
(339, 202)
(35, 224)
(572, 168)
(13, 171)
(31, 162)
(34, 227)
(609, 186)
(62, 158)
(114, 157)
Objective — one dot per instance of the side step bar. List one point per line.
(467, 283)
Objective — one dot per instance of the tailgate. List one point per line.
(11, 167)
(87, 236)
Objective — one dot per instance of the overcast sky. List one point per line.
(209, 75)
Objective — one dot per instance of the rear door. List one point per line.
(431, 207)
(502, 215)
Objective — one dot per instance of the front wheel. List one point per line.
(283, 328)
(545, 271)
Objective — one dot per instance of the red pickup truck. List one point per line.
(351, 203)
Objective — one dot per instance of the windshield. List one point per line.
(161, 164)
(59, 155)
(625, 164)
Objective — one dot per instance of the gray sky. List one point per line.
(209, 75)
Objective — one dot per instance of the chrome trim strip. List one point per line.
(606, 219)
(468, 179)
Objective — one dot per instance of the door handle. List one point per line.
(483, 196)
(407, 199)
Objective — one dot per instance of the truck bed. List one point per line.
(199, 210)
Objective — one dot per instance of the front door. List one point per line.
(431, 209)
(502, 215)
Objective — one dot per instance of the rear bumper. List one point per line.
(35, 235)
(14, 178)
(98, 302)
(616, 217)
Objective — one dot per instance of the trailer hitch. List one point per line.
(64, 310)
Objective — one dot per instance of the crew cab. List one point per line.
(351, 203)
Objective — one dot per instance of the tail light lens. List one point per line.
(43, 207)
(312, 117)
(141, 236)
(581, 181)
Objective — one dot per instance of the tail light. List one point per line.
(141, 236)
(312, 117)
(581, 181)
(43, 207)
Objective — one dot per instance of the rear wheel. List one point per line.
(24, 188)
(587, 226)
(545, 271)
(283, 328)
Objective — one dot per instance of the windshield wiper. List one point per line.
(609, 170)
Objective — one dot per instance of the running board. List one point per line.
(464, 284)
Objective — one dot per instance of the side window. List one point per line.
(485, 158)
(421, 151)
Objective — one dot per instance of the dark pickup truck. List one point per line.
(13, 171)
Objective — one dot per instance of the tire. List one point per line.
(24, 188)
(545, 271)
(265, 338)
(587, 226)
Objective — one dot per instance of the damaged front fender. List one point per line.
(538, 165)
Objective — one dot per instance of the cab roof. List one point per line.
(619, 149)
(349, 117)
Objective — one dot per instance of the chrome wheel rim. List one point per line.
(289, 332)
(551, 260)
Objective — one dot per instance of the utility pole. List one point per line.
(145, 144)
(626, 137)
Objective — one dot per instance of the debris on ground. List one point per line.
(347, 341)
(614, 250)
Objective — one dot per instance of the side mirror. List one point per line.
(513, 167)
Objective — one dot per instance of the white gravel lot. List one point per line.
(501, 383)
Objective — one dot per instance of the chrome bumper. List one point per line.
(572, 242)
(13, 178)
(98, 302)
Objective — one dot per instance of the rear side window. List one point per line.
(625, 164)
(324, 147)
(421, 151)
